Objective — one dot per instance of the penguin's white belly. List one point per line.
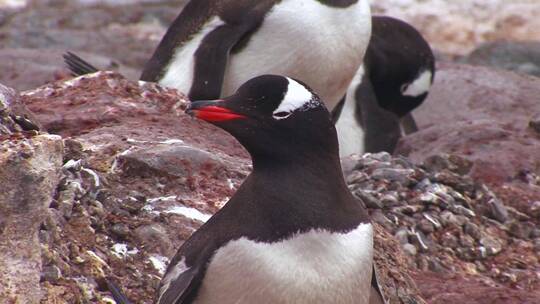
(351, 135)
(313, 267)
(304, 39)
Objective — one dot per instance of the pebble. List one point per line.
(402, 235)
(51, 274)
(409, 249)
(121, 230)
(492, 245)
(535, 123)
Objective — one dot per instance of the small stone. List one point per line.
(425, 226)
(534, 210)
(120, 230)
(520, 230)
(466, 241)
(410, 249)
(403, 176)
(497, 210)
(535, 123)
(536, 244)
(369, 200)
(450, 219)
(535, 233)
(493, 246)
(402, 235)
(449, 240)
(473, 230)
(51, 274)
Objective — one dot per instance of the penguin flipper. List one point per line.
(408, 123)
(376, 295)
(211, 59)
(179, 289)
(77, 65)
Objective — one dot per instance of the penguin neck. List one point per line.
(310, 170)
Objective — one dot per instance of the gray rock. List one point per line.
(170, 159)
(121, 230)
(498, 210)
(493, 245)
(28, 184)
(466, 241)
(154, 237)
(369, 200)
(535, 123)
(448, 218)
(520, 57)
(403, 176)
(402, 235)
(534, 210)
(473, 230)
(425, 226)
(51, 274)
(449, 240)
(520, 230)
(410, 249)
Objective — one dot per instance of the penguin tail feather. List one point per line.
(77, 65)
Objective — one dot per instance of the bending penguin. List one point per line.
(293, 232)
(214, 46)
(398, 70)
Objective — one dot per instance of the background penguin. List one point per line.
(293, 232)
(398, 70)
(216, 45)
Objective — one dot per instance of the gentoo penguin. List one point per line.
(292, 233)
(395, 78)
(214, 46)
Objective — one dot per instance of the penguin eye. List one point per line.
(282, 115)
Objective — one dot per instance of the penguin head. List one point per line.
(273, 117)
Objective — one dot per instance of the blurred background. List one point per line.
(112, 33)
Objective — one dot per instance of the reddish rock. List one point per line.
(483, 115)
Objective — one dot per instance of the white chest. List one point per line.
(304, 39)
(351, 135)
(314, 267)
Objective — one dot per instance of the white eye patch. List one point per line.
(297, 97)
(419, 86)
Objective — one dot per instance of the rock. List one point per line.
(402, 236)
(121, 230)
(30, 172)
(520, 230)
(482, 115)
(154, 237)
(403, 176)
(535, 210)
(172, 159)
(492, 245)
(51, 274)
(409, 249)
(473, 230)
(535, 123)
(521, 57)
(14, 116)
(448, 218)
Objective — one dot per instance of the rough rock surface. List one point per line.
(520, 57)
(29, 172)
(487, 116)
(449, 225)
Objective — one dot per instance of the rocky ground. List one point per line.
(126, 177)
